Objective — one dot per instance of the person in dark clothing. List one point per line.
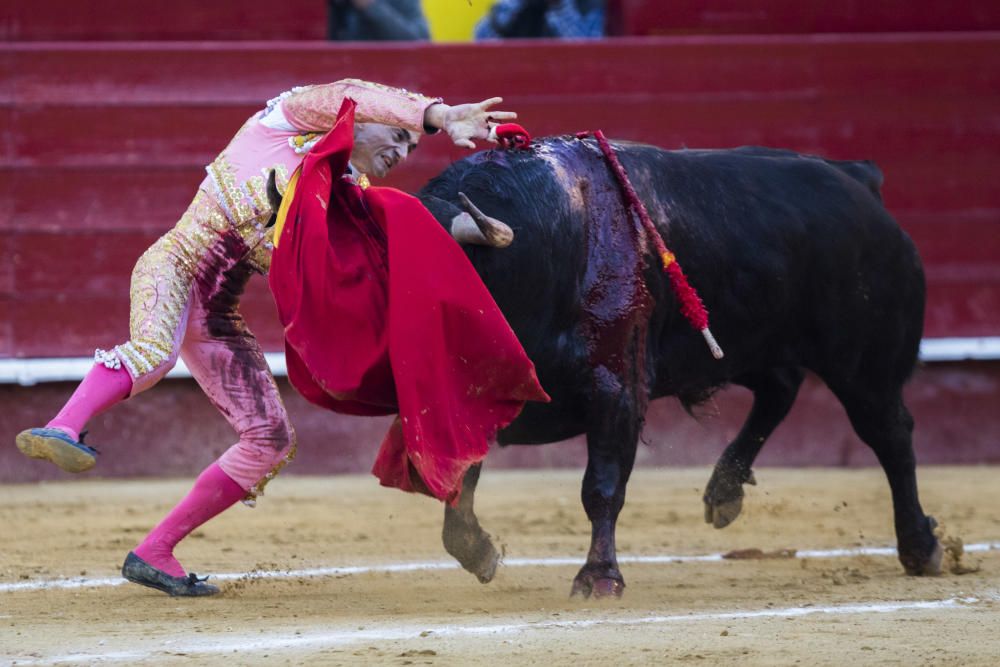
(542, 18)
(376, 20)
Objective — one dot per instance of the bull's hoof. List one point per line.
(473, 550)
(605, 585)
(925, 564)
(931, 567)
(483, 563)
(723, 514)
(598, 588)
(723, 497)
(606, 588)
(486, 568)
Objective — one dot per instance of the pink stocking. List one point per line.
(213, 492)
(100, 389)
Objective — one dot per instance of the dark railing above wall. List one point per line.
(198, 20)
(770, 17)
(129, 20)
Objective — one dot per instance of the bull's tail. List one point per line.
(864, 172)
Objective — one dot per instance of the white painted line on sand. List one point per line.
(226, 643)
(349, 570)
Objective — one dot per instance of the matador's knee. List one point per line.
(147, 361)
(258, 457)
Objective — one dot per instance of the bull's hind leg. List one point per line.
(464, 538)
(774, 391)
(612, 437)
(886, 426)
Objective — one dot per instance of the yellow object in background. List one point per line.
(453, 20)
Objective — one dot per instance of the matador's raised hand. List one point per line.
(465, 122)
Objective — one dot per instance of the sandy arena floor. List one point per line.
(812, 609)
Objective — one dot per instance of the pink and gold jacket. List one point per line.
(279, 136)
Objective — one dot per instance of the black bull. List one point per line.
(797, 261)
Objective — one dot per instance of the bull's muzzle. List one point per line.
(477, 228)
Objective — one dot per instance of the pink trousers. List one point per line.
(185, 303)
(228, 364)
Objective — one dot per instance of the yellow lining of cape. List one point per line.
(286, 201)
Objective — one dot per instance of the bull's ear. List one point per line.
(273, 197)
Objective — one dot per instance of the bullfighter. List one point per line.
(185, 291)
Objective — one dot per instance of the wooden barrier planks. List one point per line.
(103, 145)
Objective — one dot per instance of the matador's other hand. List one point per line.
(465, 122)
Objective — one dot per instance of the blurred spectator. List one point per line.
(543, 18)
(376, 20)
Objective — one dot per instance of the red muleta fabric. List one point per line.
(383, 314)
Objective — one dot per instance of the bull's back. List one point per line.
(794, 256)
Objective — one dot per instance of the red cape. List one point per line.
(383, 314)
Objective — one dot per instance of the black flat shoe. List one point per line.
(139, 571)
(51, 444)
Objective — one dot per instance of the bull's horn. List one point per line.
(273, 197)
(496, 233)
(465, 230)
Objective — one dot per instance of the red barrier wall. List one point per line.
(103, 145)
(954, 406)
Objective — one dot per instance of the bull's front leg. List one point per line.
(464, 538)
(611, 444)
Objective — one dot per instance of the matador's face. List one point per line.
(378, 148)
